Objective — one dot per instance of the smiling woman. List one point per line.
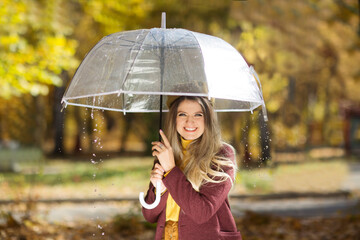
(190, 120)
(196, 170)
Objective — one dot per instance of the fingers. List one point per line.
(164, 138)
(158, 170)
(158, 146)
(158, 166)
(157, 174)
(164, 153)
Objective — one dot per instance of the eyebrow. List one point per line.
(188, 112)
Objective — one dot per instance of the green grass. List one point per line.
(127, 176)
(313, 176)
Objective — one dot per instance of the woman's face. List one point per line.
(190, 122)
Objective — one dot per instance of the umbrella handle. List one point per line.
(157, 198)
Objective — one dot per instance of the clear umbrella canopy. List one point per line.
(127, 72)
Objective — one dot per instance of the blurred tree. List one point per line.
(95, 19)
(305, 63)
(34, 49)
(306, 54)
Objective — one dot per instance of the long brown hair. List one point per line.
(204, 162)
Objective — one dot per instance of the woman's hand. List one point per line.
(156, 175)
(164, 153)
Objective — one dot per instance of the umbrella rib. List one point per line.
(207, 84)
(132, 64)
(179, 39)
(144, 110)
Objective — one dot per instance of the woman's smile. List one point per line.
(190, 123)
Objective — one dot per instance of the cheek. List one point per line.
(201, 125)
(178, 124)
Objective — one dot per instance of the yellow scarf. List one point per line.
(172, 209)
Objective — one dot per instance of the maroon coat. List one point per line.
(204, 215)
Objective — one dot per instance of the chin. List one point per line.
(187, 137)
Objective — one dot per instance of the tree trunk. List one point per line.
(264, 140)
(245, 141)
(40, 121)
(59, 116)
(80, 125)
(127, 125)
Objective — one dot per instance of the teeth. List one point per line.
(190, 129)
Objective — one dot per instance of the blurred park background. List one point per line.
(307, 56)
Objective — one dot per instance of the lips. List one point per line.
(190, 129)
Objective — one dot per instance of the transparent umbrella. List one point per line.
(128, 71)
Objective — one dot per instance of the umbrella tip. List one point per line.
(163, 20)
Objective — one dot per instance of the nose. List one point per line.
(189, 119)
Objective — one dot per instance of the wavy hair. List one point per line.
(204, 161)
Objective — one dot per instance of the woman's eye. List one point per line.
(181, 114)
(198, 115)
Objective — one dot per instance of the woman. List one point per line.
(197, 172)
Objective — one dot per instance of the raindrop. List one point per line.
(94, 154)
(103, 233)
(95, 130)
(92, 113)
(93, 161)
(80, 149)
(94, 175)
(100, 227)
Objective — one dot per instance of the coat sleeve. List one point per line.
(199, 206)
(152, 215)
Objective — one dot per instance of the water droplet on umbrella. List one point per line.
(100, 227)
